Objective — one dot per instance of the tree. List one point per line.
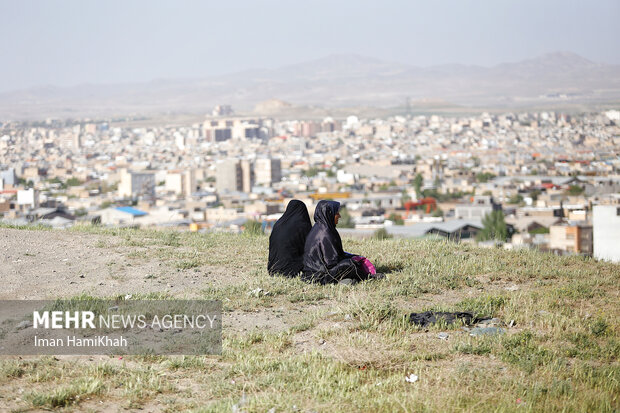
(539, 230)
(345, 221)
(437, 183)
(58, 182)
(405, 197)
(574, 190)
(493, 227)
(397, 219)
(515, 199)
(74, 182)
(312, 172)
(106, 204)
(418, 181)
(484, 177)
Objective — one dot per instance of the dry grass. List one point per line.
(350, 348)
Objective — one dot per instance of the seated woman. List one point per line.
(324, 259)
(287, 240)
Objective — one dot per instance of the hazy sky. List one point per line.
(53, 42)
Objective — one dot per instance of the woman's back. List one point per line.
(287, 240)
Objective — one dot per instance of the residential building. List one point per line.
(122, 216)
(228, 176)
(181, 182)
(27, 198)
(8, 177)
(247, 176)
(136, 184)
(571, 237)
(606, 232)
(476, 209)
(268, 171)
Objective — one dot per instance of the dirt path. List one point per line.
(56, 264)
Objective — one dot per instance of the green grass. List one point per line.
(349, 349)
(65, 395)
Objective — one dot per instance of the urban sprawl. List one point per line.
(552, 178)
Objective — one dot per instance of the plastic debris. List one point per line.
(443, 336)
(412, 378)
(486, 331)
(491, 322)
(258, 292)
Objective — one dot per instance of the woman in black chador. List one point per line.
(287, 239)
(324, 259)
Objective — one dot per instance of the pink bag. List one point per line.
(365, 264)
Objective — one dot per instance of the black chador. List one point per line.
(324, 259)
(287, 240)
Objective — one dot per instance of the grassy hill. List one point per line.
(300, 347)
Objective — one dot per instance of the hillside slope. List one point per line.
(338, 81)
(325, 348)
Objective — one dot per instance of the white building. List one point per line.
(345, 178)
(606, 232)
(613, 115)
(267, 171)
(28, 198)
(180, 182)
(179, 141)
(9, 177)
(479, 207)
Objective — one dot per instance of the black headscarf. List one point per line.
(287, 240)
(323, 249)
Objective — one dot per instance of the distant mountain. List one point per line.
(337, 81)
